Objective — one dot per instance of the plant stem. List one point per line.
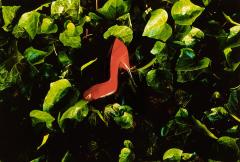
(148, 64)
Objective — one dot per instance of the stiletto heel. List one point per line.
(124, 64)
(119, 59)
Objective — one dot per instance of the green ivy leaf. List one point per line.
(41, 117)
(184, 12)
(9, 13)
(232, 63)
(190, 37)
(157, 27)
(125, 120)
(28, 22)
(181, 113)
(35, 56)
(70, 8)
(121, 114)
(10, 70)
(76, 112)
(64, 59)
(161, 81)
(158, 47)
(44, 141)
(217, 113)
(227, 149)
(206, 2)
(112, 9)
(233, 104)
(188, 68)
(122, 32)
(48, 26)
(173, 154)
(87, 64)
(57, 91)
(71, 36)
(126, 154)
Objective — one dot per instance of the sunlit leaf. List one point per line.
(76, 112)
(70, 8)
(217, 113)
(173, 154)
(57, 91)
(48, 26)
(226, 149)
(88, 64)
(45, 138)
(71, 36)
(9, 13)
(157, 27)
(158, 47)
(127, 154)
(28, 22)
(184, 12)
(41, 117)
(122, 32)
(114, 8)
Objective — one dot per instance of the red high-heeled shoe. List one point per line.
(119, 59)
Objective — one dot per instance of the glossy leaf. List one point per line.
(217, 113)
(9, 13)
(57, 91)
(190, 37)
(181, 113)
(41, 117)
(64, 59)
(29, 23)
(127, 154)
(188, 67)
(48, 26)
(232, 57)
(114, 8)
(173, 154)
(124, 33)
(227, 149)
(44, 141)
(76, 112)
(158, 47)
(71, 8)
(157, 27)
(121, 114)
(71, 36)
(35, 56)
(88, 64)
(125, 120)
(184, 12)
